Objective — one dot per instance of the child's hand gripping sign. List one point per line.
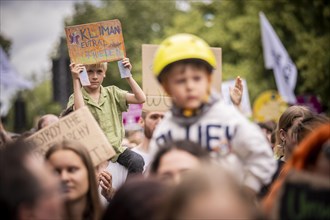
(95, 42)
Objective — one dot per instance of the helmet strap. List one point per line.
(189, 116)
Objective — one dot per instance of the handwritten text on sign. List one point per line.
(79, 126)
(95, 42)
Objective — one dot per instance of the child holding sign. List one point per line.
(107, 104)
(183, 65)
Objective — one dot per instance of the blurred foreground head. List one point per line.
(138, 199)
(210, 193)
(28, 189)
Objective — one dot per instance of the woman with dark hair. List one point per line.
(28, 189)
(175, 158)
(138, 199)
(74, 166)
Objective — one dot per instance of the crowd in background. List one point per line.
(270, 170)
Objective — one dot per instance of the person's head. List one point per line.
(138, 199)
(46, 120)
(267, 128)
(96, 74)
(311, 156)
(291, 116)
(73, 164)
(173, 159)
(28, 189)
(134, 137)
(313, 153)
(209, 192)
(307, 125)
(149, 121)
(183, 65)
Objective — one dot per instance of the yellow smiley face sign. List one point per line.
(268, 106)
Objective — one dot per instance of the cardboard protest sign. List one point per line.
(95, 42)
(157, 99)
(303, 196)
(245, 103)
(79, 126)
(268, 106)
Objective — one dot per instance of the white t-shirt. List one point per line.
(146, 157)
(119, 172)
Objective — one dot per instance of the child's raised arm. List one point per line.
(138, 96)
(77, 95)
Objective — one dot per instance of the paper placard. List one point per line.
(95, 42)
(83, 76)
(157, 99)
(79, 126)
(124, 72)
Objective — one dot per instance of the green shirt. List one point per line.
(108, 113)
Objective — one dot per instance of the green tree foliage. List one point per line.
(5, 44)
(38, 102)
(142, 21)
(302, 25)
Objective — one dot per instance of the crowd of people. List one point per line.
(202, 159)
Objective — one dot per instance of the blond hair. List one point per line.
(103, 66)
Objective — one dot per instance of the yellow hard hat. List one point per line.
(181, 47)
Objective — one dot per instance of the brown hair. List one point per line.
(208, 179)
(188, 146)
(138, 199)
(93, 208)
(307, 125)
(303, 156)
(289, 116)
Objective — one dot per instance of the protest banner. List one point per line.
(268, 106)
(157, 99)
(95, 42)
(303, 196)
(78, 126)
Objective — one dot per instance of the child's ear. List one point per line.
(165, 87)
(209, 77)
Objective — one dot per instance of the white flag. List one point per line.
(10, 83)
(276, 57)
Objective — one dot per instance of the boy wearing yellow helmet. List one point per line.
(183, 65)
